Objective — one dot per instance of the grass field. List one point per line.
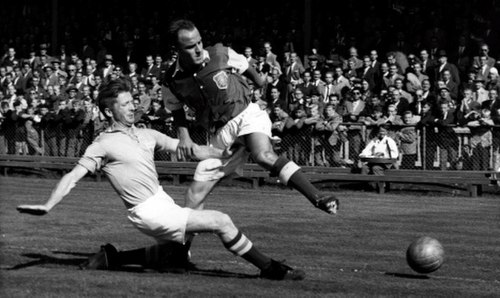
(359, 252)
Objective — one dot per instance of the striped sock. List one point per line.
(244, 248)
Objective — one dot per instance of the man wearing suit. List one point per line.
(87, 50)
(390, 80)
(354, 108)
(461, 56)
(51, 77)
(278, 81)
(248, 55)
(306, 86)
(271, 58)
(483, 51)
(108, 67)
(445, 65)
(452, 86)
(447, 141)
(150, 69)
(367, 72)
(402, 105)
(483, 72)
(340, 82)
(328, 89)
(295, 70)
(428, 64)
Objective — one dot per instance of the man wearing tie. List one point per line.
(329, 88)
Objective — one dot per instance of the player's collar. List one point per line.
(206, 58)
(117, 127)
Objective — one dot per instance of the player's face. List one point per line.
(190, 48)
(123, 109)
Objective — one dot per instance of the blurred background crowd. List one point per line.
(334, 71)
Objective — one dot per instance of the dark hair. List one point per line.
(109, 91)
(176, 26)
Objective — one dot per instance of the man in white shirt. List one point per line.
(381, 147)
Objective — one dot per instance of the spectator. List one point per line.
(407, 138)
(481, 140)
(334, 134)
(447, 141)
(380, 147)
(480, 93)
(32, 138)
(341, 83)
(354, 109)
(313, 118)
(445, 65)
(295, 134)
(494, 80)
(400, 103)
(49, 126)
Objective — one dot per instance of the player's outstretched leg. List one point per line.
(237, 243)
(164, 257)
(289, 172)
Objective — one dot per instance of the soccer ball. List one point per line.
(425, 255)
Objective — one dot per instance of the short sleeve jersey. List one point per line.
(217, 92)
(127, 159)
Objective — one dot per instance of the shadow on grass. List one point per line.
(405, 275)
(41, 259)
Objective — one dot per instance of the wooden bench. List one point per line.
(183, 169)
(469, 182)
(37, 162)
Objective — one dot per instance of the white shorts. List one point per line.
(251, 120)
(160, 217)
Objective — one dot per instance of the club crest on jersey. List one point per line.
(221, 79)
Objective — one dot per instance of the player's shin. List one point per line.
(241, 246)
(291, 174)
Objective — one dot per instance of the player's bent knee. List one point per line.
(224, 223)
(265, 158)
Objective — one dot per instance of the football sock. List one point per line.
(290, 174)
(150, 257)
(135, 256)
(244, 248)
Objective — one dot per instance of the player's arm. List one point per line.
(172, 103)
(254, 76)
(200, 152)
(63, 188)
(240, 63)
(186, 144)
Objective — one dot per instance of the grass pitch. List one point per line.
(358, 252)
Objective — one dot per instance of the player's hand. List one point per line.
(33, 209)
(185, 149)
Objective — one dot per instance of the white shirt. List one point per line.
(386, 146)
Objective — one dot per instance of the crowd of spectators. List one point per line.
(428, 66)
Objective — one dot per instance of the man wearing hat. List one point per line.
(445, 65)
(313, 63)
(444, 94)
